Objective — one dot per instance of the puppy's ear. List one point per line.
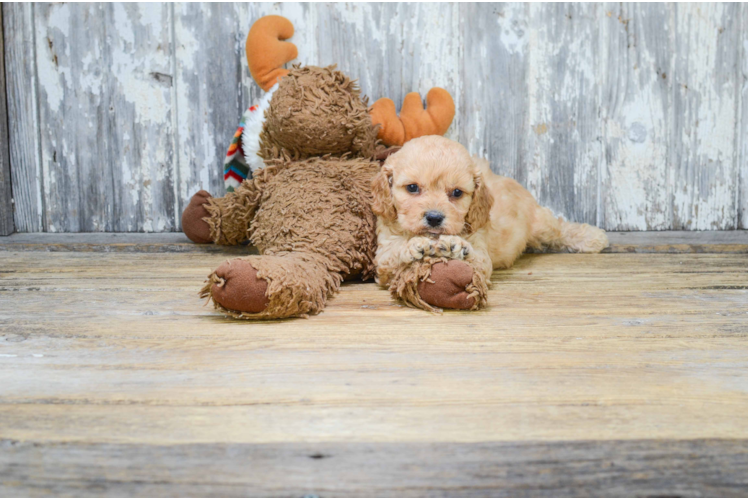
(381, 186)
(479, 212)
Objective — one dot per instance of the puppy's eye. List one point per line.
(412, 188)
(456, 193)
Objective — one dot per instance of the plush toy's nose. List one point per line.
(434, 218)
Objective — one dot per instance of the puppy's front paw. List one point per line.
(453, 247)
(417, 248)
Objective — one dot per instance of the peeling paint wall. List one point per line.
(629, 116)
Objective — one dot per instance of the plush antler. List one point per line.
(266, 50)
(414, 121)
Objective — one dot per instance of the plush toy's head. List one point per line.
(311, 111)
(316, 111)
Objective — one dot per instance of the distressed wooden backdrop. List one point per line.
(630, 116)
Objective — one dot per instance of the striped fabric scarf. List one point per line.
(242, 158)
(235, 168)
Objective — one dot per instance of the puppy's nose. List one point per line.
(434, 218)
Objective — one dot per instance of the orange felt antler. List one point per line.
(414, 121)
(266, 50)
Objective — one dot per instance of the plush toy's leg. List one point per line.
(221, 220)
(272, 286)
(432, 284)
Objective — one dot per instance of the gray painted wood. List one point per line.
(563, 145)
(638, 45)
(495, 97)
(209, 62)
(374, 44)
(23, 133)
(742, 164)
(705, 109)
(105, 93)
(630, 116)
(635, 468)
(6, 196)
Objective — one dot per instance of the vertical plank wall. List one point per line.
(6, 201)
(630, 116)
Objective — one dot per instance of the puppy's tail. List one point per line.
(556, 233)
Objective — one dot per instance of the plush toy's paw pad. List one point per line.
(193, 225)
(446, 287)
(237, 287)
(418, 248)
(453, 247)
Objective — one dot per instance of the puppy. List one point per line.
(433, 199)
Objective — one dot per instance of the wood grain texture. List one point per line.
(495, 100)
(23, 116)
(629, 116)
(209, 65)
(117, 381)
(639, 43)
(563, 148)
(6, 196)
(110, 168)
(708, 468)
(122, 242)
(705, 109)
(375, 44)
(678, 242)
(620, 242)
(742, 165)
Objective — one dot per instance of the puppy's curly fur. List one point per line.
(476, 216)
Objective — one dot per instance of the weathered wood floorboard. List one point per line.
(613, 374)
(633, 468)
(620, 242)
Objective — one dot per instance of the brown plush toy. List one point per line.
(307, 205)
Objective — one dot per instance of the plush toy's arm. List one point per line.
(414, 121)
(225, 220)
(266, 50)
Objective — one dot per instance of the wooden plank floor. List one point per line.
(614, 374)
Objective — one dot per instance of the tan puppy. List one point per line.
(433, 199)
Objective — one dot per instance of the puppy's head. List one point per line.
(432, 186)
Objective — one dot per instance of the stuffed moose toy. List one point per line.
(309, 150)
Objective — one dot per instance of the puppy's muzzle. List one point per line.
(434, 218)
